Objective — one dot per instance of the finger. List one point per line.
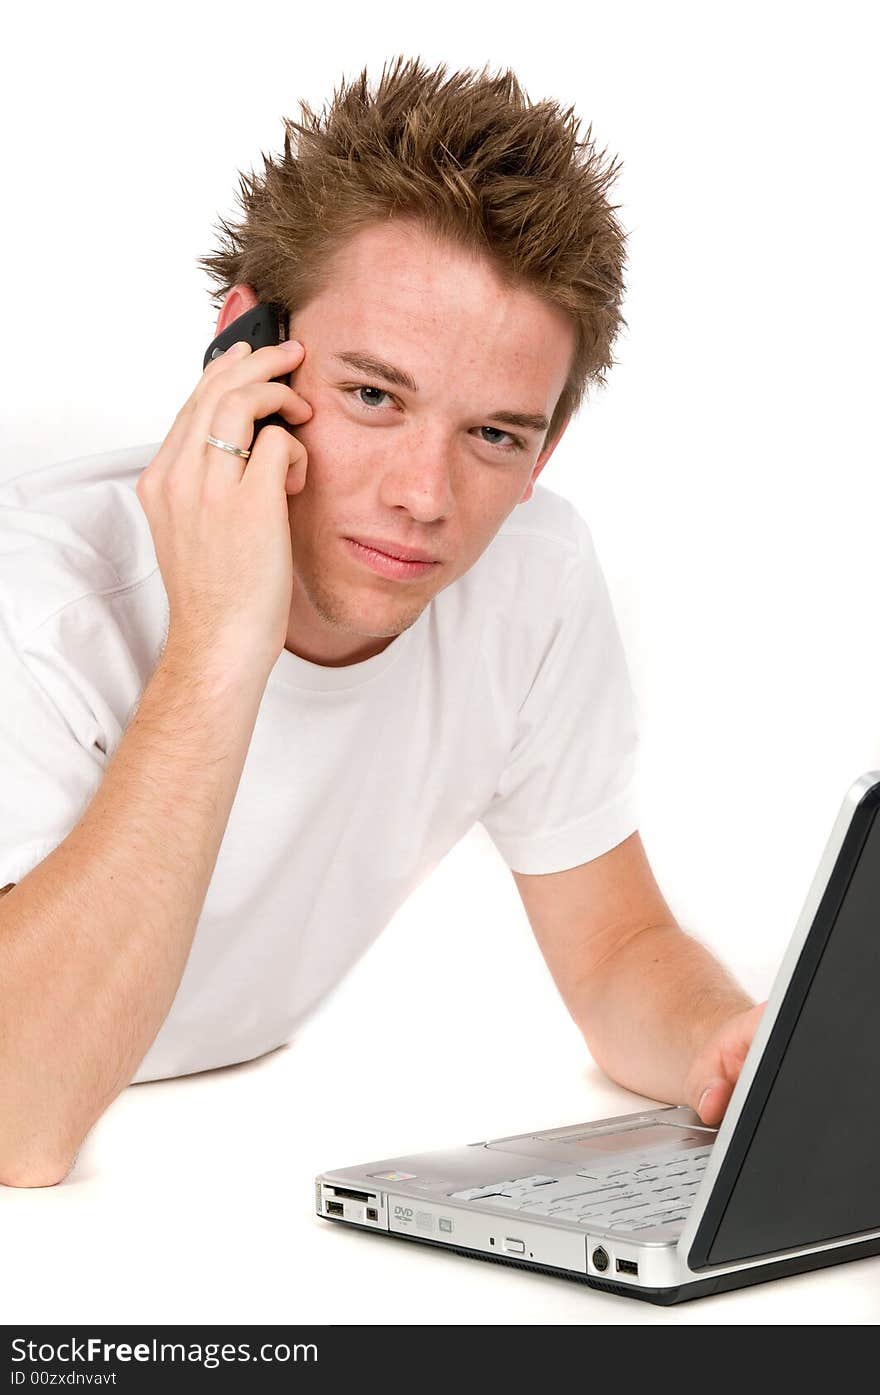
(237, 411)
(241, 349)
(297, 468)
(211, 406)
(277, 465)
(295, 407)
(179, 429)
(199, 462)
(241, 352)
(239, 365)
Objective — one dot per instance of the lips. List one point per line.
(398, 550)
(383, 564)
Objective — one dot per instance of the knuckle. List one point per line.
(276, 435)
(173, 484)
(235, 397)
(145, 481)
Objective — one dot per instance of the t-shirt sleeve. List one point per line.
(47, 777)
(567, 792)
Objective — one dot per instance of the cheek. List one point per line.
(489, 511)
(337, 458)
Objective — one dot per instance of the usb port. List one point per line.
(627, 1266)
(335, 1208)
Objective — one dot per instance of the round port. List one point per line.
(600, 1259)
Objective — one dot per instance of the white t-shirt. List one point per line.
(508, 701)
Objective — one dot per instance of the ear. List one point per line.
(239, 300)
(542, 460)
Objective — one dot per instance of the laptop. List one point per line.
(656, 1205)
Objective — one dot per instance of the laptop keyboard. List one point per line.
(656, 1192)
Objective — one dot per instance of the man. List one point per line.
(240, 726)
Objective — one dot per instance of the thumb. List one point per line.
(713, 1101)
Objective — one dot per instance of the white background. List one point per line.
(728, 473)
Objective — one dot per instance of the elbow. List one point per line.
(34, 1173)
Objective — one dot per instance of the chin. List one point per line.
(376, 625)
(360, 616)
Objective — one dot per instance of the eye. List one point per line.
(360, 400)
(516, 442)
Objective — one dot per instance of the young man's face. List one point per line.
(435, 469)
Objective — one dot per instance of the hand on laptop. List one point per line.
(713, 1075)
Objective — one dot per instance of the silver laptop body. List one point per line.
(655, 1205)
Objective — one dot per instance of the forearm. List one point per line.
(648, 1009)
(94, 940)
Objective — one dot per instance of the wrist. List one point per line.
(217, 670)
(717, 1061)
(713, 1017)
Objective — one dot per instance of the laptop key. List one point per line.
(479, 1193)
(507, 1186)
(470, 1194)
(539, 1180)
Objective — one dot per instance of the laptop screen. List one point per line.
(803, 1162)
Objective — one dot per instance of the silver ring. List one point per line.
(224, 445)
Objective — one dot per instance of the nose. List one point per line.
(418, 477)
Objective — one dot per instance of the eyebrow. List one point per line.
(374, 367)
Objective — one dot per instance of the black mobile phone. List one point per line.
(262, 325)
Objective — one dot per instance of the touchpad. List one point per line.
(635, 1140)
(582, 1141)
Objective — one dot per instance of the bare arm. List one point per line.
(94, 940)
(659, 1013)
(649, 1010)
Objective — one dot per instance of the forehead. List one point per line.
(400, 293)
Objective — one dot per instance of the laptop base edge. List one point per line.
(664, 1297)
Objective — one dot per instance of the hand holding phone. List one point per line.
(261, 326)
(220, 523)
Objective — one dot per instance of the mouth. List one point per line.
(398, 568)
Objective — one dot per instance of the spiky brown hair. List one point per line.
(473, 160)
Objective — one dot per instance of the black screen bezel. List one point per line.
(705, 1251)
